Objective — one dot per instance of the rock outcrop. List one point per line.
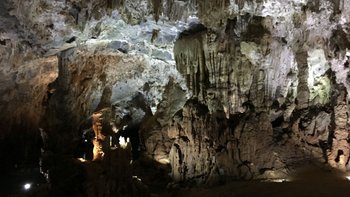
(258, 89)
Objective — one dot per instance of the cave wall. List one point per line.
(58, 57)
(25, 76)
(265, 92)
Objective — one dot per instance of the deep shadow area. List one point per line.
(12, 182)
(311, 180)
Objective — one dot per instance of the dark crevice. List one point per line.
(2, 42)
(72, 39)
(194, 29)
(339, 154)
(278, 122)
(179, 153)
(234, 121)
(325, 147)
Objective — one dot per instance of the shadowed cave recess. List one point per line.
(174, 97)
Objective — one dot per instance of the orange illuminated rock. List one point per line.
(99, 136)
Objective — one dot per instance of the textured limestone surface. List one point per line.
(216, 89)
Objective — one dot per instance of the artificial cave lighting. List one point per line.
(348, 178)
(27, 186)
(123, 143)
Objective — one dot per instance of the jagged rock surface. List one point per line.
(275, 83)
(219, 90)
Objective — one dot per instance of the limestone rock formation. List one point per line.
(274, 84)
(217, 90)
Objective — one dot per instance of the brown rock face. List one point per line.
(244, 120)
(24, 90)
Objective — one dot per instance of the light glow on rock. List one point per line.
(318, 65)
(136, 178)
(123, 143)
(82, 159)
(318, 82)
(277, 180)
(164, 161)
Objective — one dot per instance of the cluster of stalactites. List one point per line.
(189, 57)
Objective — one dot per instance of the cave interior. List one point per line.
(174, 98)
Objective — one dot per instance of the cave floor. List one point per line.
(306, 181)
(309, 181)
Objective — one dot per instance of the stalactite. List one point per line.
(216, 9)
(240, 3)
(303, 89)
(110, 4)
(189, 58)
(157, 9)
